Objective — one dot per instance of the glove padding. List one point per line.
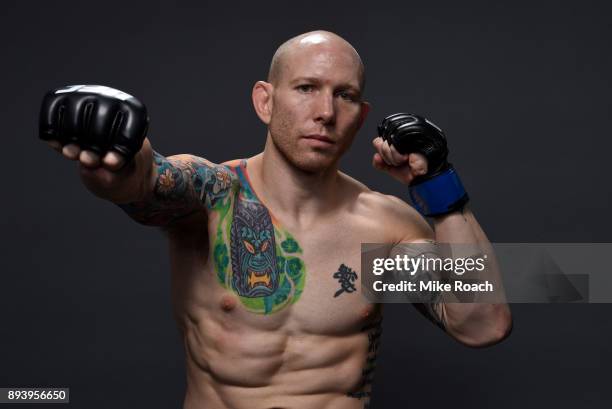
(95, 118)
(440, 190)
(410, 133)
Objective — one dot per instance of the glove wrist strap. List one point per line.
(441, 194)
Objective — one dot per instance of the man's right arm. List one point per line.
(104, 130)
(178, 187)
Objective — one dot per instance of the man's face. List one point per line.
(317, 107)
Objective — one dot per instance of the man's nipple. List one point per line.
(228, 302)
(367, 311)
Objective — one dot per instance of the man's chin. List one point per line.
(315, 162)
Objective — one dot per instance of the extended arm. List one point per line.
(180, 186)
(104, 130)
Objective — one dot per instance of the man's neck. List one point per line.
(300, 197)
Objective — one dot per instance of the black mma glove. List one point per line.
(95, 118)
(440, 190)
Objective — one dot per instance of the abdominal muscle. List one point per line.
(297, 357)
(252, 368)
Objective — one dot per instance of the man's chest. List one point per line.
(271, 268)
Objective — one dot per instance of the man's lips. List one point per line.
(321, 138)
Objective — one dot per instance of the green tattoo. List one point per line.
(254, 257)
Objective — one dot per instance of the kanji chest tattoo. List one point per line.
(346, 278)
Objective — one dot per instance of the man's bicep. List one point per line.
(199, 181)
(406, 224)
(414, 238)
(181, 186)
(420, 256)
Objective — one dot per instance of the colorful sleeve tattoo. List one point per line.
(185, 184)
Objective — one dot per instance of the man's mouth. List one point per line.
(318, 137)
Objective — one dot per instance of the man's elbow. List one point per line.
(492, 334)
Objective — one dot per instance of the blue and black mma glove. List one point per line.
(440, 190)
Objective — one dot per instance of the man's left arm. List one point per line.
(477, 324)
(483, 320)
(413, 150)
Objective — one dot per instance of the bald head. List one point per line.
(324, 40)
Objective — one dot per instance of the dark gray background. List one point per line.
(522, 90)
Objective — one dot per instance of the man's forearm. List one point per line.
(133, 182)
(166, 196)
(476, 324)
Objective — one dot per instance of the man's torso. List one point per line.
(274, 317)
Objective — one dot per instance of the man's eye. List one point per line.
(305, 88)
(346, 96)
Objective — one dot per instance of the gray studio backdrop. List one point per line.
(522, 90)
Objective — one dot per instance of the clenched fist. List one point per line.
(414, 151)
(104, 129)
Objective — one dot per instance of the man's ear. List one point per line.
(262, 100)
(365, 109)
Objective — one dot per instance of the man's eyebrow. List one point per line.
(343, 86)
(305, 79)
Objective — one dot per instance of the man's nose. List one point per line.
(325, 111)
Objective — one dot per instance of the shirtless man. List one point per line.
(265, 252)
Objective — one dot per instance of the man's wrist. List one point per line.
(455, 214)
(438, 194)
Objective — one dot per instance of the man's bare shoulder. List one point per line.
(190, 178)
(232, 163)
(402, 220)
